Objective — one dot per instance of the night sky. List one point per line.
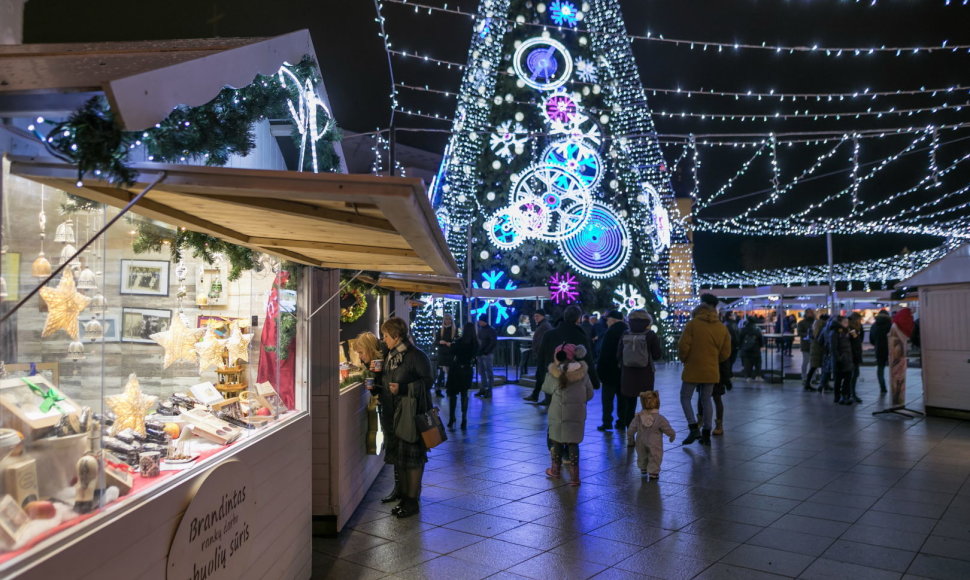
(354, 67)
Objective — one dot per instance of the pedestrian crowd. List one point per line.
(614, 354)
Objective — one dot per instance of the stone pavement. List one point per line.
(796, 487)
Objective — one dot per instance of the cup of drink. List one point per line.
(376, 365)
(369, 383)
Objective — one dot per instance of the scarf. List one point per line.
(396, 356)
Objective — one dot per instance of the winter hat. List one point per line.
(615, 315)
(569, 350)
(580, 352)
(639, 315)
(904, 320)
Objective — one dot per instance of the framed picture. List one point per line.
(139, 324)
(11, 276)
(144, 277)
(12, 518)
(110, 326)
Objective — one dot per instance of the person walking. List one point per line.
(840, 346)
(703, 345)
(463, 352)
(751, 342)
(407, 373)
(855, 341)
(804, 331)
(817, 353)
(446, 335)
(879, 339)
(638, 349)
(646, 431)
(487, 341)
(542, 327)
(568, 386)
(568, 332)
(608, 366)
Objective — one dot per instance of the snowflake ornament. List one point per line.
(627, 298)
(578, 158)
(579, 128)
(563, 288)
(563, 13)
(509, 139)
(586, 71)
(559, 107)
(492, 280)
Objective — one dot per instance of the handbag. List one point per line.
(404, 419)
(431, 429)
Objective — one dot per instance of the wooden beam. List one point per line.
(333, 246)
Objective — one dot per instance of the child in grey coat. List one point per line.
(649, 427)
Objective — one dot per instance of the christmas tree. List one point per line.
(553, 173)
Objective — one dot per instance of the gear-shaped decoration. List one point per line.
(509, 139)
(627, 298)
(578, 158)
(560, 107)
(565, 201)
(503, 230)
(580, 128)
(543, 63)
(586, 71)
(602, 247)
(661, 219)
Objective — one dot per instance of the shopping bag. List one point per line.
(404, 419)
(431, 429)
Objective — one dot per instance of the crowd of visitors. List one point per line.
(615, 354)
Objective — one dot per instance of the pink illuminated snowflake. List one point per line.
(560, 108)
(563, 288)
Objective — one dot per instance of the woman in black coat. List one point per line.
(855, 341)
(407, 372)
(879, 338)
(446, 335)
(840, 344)
(463, 353)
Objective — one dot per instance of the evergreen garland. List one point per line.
(152, 237)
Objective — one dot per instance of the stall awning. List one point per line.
(421, 283)
(329, 220)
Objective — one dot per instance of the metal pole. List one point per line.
(831, 296)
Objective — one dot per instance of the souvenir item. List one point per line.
(87, 482)
(149, 463)
(34, 403)
(64, 305)
(40, 510)
(12, 519)
(117, 473)
(206, 393)
(130, 407)
(20, 480)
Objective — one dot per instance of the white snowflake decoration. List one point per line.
(580, 127)
(627, 298)
(586, 71)
(508, 140)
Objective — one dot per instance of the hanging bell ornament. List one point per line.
(66, 252)
(75, 351)
(98, 301)
(65, 233)
(41, 267)
(86, 280)
(93, 330)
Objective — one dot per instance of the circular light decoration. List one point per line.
(563, 288)
(532, 217)
(563, 13)
(661, 219)
(444, 220)
(578, 158)
(602, 247)
(548, 62)
(503, 230)
(627, 298)
(508, 138)
(559, 107)
(580, 128)
(562, 196)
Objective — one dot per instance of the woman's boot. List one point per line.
(718, 427)
(574, 474)
(452, 403)
(694, 434)
(464, 410)
(706, 437)
(396, 492)
(555, 467)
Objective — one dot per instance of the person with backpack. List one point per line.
(636, 353)
(751, 342)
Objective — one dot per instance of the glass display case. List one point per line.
(124, 371)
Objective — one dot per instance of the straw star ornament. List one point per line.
(130, 407)
(178, 341)
(64, 305)
(210, 350)
(238, 345)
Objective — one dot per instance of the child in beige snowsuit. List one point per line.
(649, 427)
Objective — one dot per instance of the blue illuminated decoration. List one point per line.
(498, 311)
(542, 63)
(578, 158)
(548, 62)
(563, 13)
(602, 247)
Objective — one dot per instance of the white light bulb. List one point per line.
(515, 269)
(484, 255)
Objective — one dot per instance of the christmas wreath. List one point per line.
(356, 310)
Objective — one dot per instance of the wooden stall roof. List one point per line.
(143, 80)
(331, 220)
(425, 284)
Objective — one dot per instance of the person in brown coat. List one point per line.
(636, 376)
(704, 344)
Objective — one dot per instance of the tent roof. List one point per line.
(953, 268)
(330, 220)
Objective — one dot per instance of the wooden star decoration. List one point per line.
(238, 345)
(178, 341)
(210, 351)
(130, 407)
(64, 305)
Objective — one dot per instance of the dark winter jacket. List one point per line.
(541, 329)
(879, 337)
(413, 375)
(599, 330)
(841, 348)
(735, 334)
(751, 339)
(487, 339)
(565, 333)
(635, 380)
(463, 363)
(818, 343)
(449, 334)
(608, 367)
(804, 331)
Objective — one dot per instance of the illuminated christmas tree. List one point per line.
(553, 167)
